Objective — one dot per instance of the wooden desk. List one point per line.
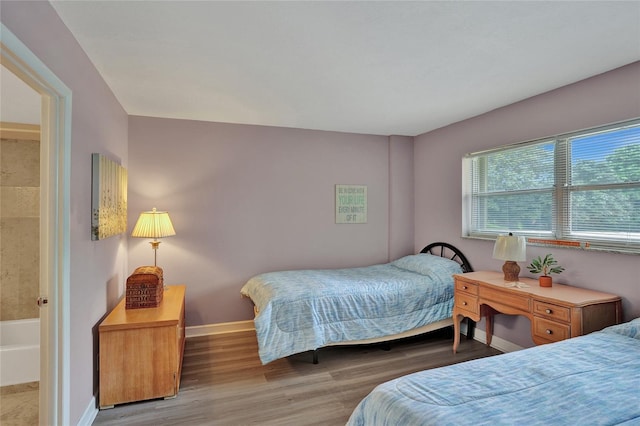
(556, 313)
(141, 350)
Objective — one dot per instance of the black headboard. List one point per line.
(450, 252)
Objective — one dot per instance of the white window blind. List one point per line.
(602, 191)
(581, 187)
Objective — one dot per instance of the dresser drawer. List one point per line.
(552, 311)
(467, 302)
(463, 286)
(550, 330)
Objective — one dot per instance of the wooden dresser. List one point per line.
(141, 350)
(556, 313)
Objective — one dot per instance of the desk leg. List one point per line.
(489, 325)
(456, 331)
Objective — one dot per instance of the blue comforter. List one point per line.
(588, 380)
(307, 309)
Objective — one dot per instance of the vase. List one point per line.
(545, 281)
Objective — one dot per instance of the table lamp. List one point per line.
(511, 249)
(153, 224)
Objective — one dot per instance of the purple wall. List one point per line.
(603, 99)
(251, 199)
(99, 124)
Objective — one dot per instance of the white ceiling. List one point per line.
(19, 103)
(380, 67)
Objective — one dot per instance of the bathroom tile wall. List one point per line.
(19, 228)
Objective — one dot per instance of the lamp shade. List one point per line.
(510, 247)
(153, 224)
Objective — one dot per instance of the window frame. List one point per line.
(560, 234)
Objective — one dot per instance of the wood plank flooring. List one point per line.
(224, 383)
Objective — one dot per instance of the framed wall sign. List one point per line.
(108, 198)
(351, 204)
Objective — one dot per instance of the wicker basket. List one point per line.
(145, 288)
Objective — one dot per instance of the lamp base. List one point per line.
(155, 244)
(511, 270)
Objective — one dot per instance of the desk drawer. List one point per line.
(552, 311)
(550, 330)
(463, 286)
(505, 297)
(466, 302)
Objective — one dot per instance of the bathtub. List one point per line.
(19, 351)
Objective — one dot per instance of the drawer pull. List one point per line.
(548, 311)
(549, 331)
(464, 287)
(464, 303)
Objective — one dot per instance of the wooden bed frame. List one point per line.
(437, 249)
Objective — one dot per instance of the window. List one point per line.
(581, 189)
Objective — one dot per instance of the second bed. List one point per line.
(298, 311)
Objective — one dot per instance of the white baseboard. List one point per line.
(234, 327)
(90, 413)
(220, 328)
(496, 342)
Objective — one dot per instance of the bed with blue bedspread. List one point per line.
(587, 380)
(298, 311)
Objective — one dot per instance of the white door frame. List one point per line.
(55, 171)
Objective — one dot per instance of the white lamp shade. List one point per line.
(510, 247)
(153, 224)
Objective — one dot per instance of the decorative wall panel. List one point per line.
(108, 198)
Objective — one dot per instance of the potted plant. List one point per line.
(546, 266)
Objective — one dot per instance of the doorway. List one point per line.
(20, 337)
(54, 246)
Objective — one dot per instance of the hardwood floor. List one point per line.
(224, 383)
